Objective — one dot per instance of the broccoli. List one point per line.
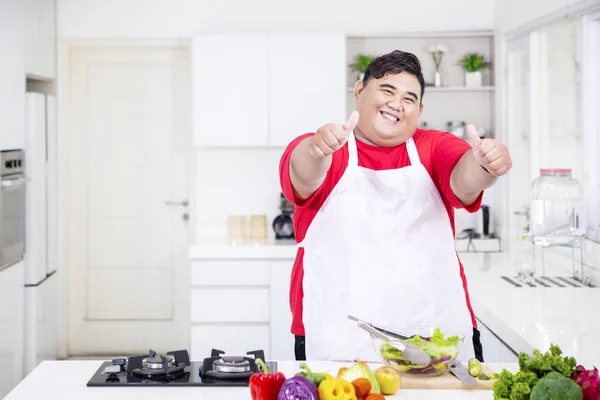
(514, 387)
(556, 386)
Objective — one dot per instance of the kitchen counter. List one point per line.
(528, 318)
(222, 250)
(67, 380)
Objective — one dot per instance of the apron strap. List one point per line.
(352, 151)
(413, 154)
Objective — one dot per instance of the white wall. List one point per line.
(512, 14)
(183, 18)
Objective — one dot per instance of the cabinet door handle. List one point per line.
(183, 203)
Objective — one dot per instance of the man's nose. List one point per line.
(395, 104)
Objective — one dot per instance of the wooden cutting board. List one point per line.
(446, 381)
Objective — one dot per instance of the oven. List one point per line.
(12, 206)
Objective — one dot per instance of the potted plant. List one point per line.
(361, 62)
(473, 63)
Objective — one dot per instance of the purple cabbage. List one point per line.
(298, 388)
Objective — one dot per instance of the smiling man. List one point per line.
(374, 217)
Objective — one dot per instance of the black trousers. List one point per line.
(300, 350)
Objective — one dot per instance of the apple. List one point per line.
(388, 379)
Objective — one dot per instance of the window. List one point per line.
(591, 118)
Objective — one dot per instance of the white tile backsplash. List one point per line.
(235, 181)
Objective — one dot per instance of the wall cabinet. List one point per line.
(239, 306)
(254, 90)
(40, 38)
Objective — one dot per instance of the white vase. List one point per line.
(438, 79)
(473, 79)
(361, 75)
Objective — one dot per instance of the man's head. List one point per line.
(389, 99)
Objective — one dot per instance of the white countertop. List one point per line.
(222, 250)
(529, 318)
(68, 379)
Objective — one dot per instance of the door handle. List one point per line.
(183, 203)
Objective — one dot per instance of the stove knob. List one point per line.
(119, 361)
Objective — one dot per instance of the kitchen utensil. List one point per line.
(462, 373)
(384, 331)
(411, 353)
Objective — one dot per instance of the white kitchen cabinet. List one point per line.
(12, 295)
(239, 306)
(253, 90)
(307, 84)
(12, 76)
(40, 38)
(282, 340)
(230, 77)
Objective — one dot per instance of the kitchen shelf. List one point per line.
(429, 89)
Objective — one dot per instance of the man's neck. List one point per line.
(362, 138)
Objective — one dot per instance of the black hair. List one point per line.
(394, 63)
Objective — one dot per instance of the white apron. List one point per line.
(380, 248)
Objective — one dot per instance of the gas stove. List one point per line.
(175, 369)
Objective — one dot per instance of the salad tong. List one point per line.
(409, 351)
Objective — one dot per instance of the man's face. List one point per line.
(389, 109)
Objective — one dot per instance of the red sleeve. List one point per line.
(336, 170)
(445, 155)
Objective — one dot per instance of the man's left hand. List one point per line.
(489, 153)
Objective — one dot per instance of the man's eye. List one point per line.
(408, 99)
(388, 92)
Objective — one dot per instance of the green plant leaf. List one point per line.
(473, 62)
(361, 62)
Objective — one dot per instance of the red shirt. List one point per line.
(439, 152)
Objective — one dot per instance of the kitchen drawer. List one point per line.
(230, 305)
(207, 273)
(233, 339)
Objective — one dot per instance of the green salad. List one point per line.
(442, 350)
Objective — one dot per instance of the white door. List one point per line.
(519, 139)
(130, 150)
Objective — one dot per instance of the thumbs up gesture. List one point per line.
(489, 153)
(331, 137)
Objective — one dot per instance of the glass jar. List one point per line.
(556, 208)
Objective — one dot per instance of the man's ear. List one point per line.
(358, 88)
(421, 109)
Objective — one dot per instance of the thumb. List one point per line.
(474, 139)
(352, 122)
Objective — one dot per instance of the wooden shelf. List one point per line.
(429, 89)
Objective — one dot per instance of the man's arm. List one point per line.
(468, 178)
(312, 157)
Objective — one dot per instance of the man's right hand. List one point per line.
(332, 137)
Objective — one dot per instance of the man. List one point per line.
(374, 217)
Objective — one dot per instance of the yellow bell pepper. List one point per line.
(336, 389)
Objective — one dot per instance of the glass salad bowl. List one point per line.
(442, 346)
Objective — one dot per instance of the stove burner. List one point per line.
(231, 364)
(156, 362)
(228, 367)
(165, 368)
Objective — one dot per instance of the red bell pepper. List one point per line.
(265, 385)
